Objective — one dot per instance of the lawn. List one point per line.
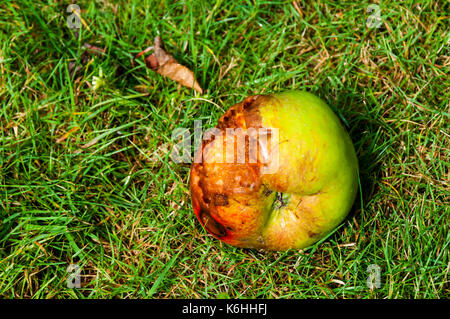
(86, 176)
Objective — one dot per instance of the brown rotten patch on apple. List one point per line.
(228, 197)
(296, 187)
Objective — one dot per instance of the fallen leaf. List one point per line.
(94, 49)
(166, 65)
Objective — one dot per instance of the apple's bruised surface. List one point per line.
(297, 186)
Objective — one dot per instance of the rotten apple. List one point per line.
(279, 172)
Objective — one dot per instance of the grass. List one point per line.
(119, 207)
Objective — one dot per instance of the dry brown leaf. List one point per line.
(94, 49)
(166, 65)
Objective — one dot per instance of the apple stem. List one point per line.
(281, 200)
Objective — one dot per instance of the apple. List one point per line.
(297, 186)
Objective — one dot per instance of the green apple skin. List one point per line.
(310, 193)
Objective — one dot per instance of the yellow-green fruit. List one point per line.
(297, 187)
